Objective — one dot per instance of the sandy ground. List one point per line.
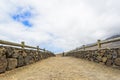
(63, 68)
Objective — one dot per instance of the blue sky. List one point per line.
(51, 47)
(23, 17)
(58, 25)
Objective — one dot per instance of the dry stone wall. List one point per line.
(109, 57)
(11, 57)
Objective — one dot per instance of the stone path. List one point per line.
(63, 68)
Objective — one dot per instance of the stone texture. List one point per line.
(99, 58)
(117, 61)
(15, 54)
(118, 52)
(20, 61)
(11, 57)
(2, 51)
(109, 62)
(3, 64)
(9, 52)
(27, 60)
(12, 63)
(104, 59)
(109, 57)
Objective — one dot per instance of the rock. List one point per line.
(12, 63)
(20, 61)
(99, 58)
(2, 51)
(114, 54)
(102, 54)
(104, 59)
(36, 57)
(40, 56)
(15, 54)
(26, 60)
(9, 52)
(24, 54)
(118, 52)
(3, 64)
(117, 61)
(31, 60)
(106, 53)
(109, 62)
(109, 56)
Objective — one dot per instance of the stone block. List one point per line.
(12, 63)
(109, 62)
(104, 59)
(16, 53)
(3, 64)
(99, 58)
(2, 51)
(9, 52)
(109, 56)
(27, 60)
(118, 52)
(20, 61)
(117, 61)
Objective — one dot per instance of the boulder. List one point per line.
(40, 56)
(114, 54)
(106, 53)
(20, 61)
(118, 52)
(23, 53)
(102, 53)
(2, 51)
(109, 56)
(12, 63)
(15, 54)
(9, 52)
(109, 62)
(27, 60)
(104, 59)
(99, 58)
(3, 64)
(31, 60)
(117, 61)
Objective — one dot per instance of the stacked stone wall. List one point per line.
(109, 57)
(11, 57)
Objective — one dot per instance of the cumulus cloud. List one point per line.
(58, 25)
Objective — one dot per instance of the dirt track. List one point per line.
(63, 68)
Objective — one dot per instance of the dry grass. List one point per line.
(63, 68)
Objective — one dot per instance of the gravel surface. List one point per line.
(63, 68)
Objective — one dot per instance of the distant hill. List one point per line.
(114, 36)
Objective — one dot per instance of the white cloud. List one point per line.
(65, 24)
